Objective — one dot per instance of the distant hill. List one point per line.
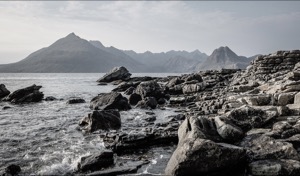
(223, 57)
(73, 54)
(171, 61)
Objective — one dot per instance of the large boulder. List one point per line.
(12, 170)
(149, 89)
(26, 95)
(3, 91)
(112, 100)
(134, 98)
(101, 120)
(96, 162)
(195, 156)
(117, 73)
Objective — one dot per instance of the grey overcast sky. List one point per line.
(248, 28)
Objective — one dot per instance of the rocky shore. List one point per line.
(227, 122)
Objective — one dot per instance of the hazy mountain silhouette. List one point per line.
(73, 54)
(223, 57)
(171, 61)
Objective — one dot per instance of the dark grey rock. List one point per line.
(26, 95)
(117, 73)
(196, 156)
(148, 102)
(50, 98)
(96, 162)
(112, 100)
(13, 169)
(134, 98)
(150, 89)
(75, 100)
(103, 120)
(129, 91)
(3, 91)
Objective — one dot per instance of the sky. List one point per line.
(247, 27)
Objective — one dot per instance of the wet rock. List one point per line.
(129, 91)
(275, 167)
(123, 168)
(103, 120)
(126, 85)
(112, 100)
(26, 95)
(130, 142)
(150, 119)
(150, 89)
(6, 107)
(147, 102)
(193, 77)
(134, 98)
(50, 98)
(161, 101)
(13, 169)
(75, 100)
(195, 156)
(117, 73)
(3, 91)
(96, 162)
(227, 129)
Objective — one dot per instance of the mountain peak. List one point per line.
(72, 36)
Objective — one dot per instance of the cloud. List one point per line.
(155, 25)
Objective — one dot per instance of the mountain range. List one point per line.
(73, 54)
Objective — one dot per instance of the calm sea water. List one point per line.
(43, 138)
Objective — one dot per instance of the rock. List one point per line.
(126, 85)
(285, 98)
(258, 100)
(96, 162)
(102, 84)
(297, 98)
(263, 147)
(104, 120)
(134, 98)
(50, 98)
(117, 73)
(193, 88)
(227, 129)
(123, 168)
(193, 77)
(75, 100)
(280, 167)
(3, 91)
(129, 91)
(161, 101)
(247, 117)
(26, 95)
(150, 119)
(125, 142)
(6, 107)
(112, 100)
(147, 102)
(13, 169)
(195, 156)
(149, 89)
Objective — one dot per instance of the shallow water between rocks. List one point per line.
(43, 138)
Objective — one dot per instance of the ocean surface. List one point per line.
(43, 138)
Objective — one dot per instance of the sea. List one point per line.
(43, 138)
